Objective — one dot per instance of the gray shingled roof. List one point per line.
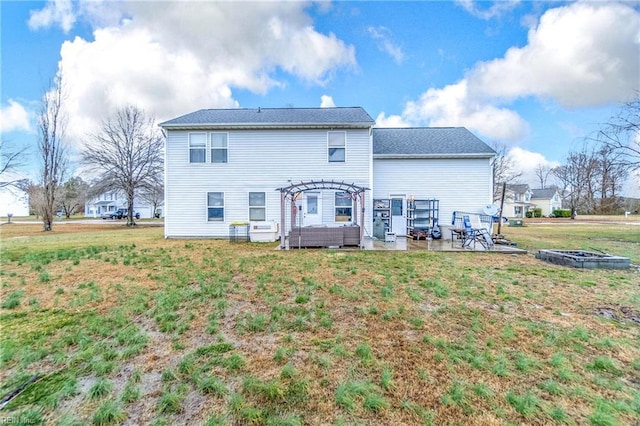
(428, 141)
(545, 193)
(273, 117)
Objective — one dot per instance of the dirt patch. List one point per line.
(618, 313)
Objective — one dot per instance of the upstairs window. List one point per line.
(337, 143)
(197, 147)
(344, 207)
(257, 206)
(219, 147)
(215, 206)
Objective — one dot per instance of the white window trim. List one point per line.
(336, 207)
(224, 208)
(211, 148)
(189, 146)
(249, 206)
(345, 146)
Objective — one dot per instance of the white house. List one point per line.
(546, 199)
(314, 167)
(114, 200)
(14, 201)
(517, 200)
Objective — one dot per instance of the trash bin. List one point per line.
(238, 232)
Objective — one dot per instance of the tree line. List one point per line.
(591, 178)
(125, 155)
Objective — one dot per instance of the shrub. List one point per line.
(561, 213)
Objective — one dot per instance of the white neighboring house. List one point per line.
(14, 201)
(546, 199)
(226, 165)
(517, 200)
(111, 201)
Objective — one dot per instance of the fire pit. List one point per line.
(583, 259)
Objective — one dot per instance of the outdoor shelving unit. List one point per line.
(422, 216)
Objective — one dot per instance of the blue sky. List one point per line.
(536, 77)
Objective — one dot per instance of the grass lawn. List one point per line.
(110, 325)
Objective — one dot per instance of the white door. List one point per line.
(312, 208)
(398, 216)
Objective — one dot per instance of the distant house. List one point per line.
(517, 200)
(546, 199)
(14, 201)
(113, 200)
(314, 167)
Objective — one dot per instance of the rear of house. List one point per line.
(224, 166)
(447, 164)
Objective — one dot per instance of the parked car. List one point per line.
(119, 214)
(496, 219)
(122, 213)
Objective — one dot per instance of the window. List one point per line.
(197, 147)
(219, 147)
(344, 207)
(337, 142)
(215, 206)
(257, 206)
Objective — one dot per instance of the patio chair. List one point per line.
(473, 235)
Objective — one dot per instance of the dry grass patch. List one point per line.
(207, 331)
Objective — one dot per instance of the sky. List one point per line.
(533, 77)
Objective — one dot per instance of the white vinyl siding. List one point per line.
(259, 161)
(460, 184)
(197, 147)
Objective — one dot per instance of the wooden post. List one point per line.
(282, 219)
(362, 219)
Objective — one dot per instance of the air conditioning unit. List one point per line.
(263, 232)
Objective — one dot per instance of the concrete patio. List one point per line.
(409, 244)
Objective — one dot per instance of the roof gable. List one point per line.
(273, 117)
(416, 142)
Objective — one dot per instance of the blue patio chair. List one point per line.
(473, 235)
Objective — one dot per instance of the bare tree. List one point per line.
(10, 161)
(542, 172)
(622, 134)
(504, 170)
(52, 149)
(128, 153)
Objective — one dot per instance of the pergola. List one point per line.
(290, 194)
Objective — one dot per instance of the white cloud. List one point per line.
(583, 54)
(382, 36)
(526, 162)
(455, 106)
(496, 9)
(171, 58)
(15, 117)
(391, 121)
(56, 12)
(326, 101)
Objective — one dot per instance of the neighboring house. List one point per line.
(14, 201)
(546, 199)
(111, 201)
(517, 200)
(233, 165)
